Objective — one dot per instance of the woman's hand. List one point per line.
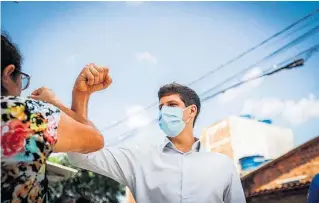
(45, 94)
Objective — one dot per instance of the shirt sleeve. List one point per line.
(113, 162)
(28, 128)
(234, 192)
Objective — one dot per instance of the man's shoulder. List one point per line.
(134, 149)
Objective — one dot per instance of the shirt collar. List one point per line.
(197, 146)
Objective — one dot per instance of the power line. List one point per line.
(290, 44)
(306, 54)
(312, 22)
(224, 65)
(255, 47)
(296, 63)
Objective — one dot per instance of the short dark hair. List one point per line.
(10, 54)
(187, 95)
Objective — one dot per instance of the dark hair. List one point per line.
(10, 54)
(187, 95)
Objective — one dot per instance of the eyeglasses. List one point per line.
(25, 80)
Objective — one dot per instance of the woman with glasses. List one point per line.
(32, 129)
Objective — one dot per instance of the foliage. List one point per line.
(95, 187)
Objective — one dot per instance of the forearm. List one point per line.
(80, 103)
(73, 114)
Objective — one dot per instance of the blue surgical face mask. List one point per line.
(171, 120)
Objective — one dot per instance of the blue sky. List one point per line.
(148, 44)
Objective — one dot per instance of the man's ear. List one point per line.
(7, 74)
(194, 110)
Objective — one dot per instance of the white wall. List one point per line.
(250, 137)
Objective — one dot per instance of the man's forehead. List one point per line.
(170, 98)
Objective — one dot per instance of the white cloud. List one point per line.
(139, 119)
(146, 56)
(133, 3)
(295, 112)
(245, 88)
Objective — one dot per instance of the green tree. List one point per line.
(95, 187)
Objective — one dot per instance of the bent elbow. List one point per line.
(97, 143)
(100, 142)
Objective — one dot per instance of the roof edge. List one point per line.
(306, 144)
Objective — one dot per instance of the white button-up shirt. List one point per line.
(163, 174)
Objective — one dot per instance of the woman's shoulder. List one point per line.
(27, 122)
(30, 105)
(12, 99)
(20, 99)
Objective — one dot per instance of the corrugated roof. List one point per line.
(291, 186)
(299, 169)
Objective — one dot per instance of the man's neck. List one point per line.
(184, 141)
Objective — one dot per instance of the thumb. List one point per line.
(37, 91)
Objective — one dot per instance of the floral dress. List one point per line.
(28, 134)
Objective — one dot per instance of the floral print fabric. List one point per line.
(28, 135)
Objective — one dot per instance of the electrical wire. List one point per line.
(293, 31)
(283, 48)
(224, 65)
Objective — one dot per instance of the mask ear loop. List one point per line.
(189, 118)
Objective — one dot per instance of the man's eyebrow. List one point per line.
(172, 101)
(169, 102)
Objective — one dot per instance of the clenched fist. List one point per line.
(92, 79)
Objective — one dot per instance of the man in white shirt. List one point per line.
(177, 169)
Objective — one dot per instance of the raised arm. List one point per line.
(114, 162)
(91, 79)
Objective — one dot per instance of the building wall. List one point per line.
(239, 137)
(217, 138)
(250, 137)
